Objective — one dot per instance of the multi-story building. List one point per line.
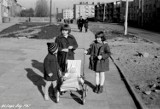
(9, 8)
(110, 12)
(5, 8)
(67, 13)
(84, 9)
(145, 13)
(0, 11)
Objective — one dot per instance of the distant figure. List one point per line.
(29, 19)
(80, 23)
(86, 24)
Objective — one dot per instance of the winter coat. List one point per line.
(81, 22)
(65, 43)
(99, 49)
(51, 66)
(86, 23)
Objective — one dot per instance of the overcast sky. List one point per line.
(61, 4)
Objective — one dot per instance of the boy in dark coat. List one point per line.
(66, 46)
(51, 70)
(99, 52)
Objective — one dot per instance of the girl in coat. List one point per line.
(99, 52)
(66, 46)
(51, 70)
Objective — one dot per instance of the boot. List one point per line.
(96, 89)
(100, 89)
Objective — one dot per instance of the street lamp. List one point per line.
(126, 19)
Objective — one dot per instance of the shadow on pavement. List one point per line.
(89, 84)
(38, 65)
(76, 98)
(36, 79)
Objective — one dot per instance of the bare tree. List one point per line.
(42, 9)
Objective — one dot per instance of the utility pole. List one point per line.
(142, 4)
(104, 13)
(126, 19)
(50, 11)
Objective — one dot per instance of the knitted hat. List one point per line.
(52, 47)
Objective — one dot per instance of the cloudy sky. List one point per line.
(61, 4)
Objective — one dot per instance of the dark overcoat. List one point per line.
(86, 23)
(65, 43)
(81, 22)
(51, 66)
(96, 49)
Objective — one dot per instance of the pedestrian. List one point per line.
(80, 23)
(67, 45)
(51, 70)
(86, 24)
(99, 52)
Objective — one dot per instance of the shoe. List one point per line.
(96, 89)
(46, 97)
(100, 89)
(57, 97)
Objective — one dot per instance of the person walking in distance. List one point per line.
(81, 22)
(99, 52)
(51, 70)
(86, 24)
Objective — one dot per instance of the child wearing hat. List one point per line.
(51, 70)
(99, 52)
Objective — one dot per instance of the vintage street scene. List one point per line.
(79, 54)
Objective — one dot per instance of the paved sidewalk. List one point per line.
(22, 84)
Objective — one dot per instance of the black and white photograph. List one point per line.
(79, 54)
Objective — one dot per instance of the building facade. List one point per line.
(67, 13)
(110, 12)
(84, 9)
(145, 13)
(9, 8)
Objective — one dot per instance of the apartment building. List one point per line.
(1, 11)
(110, 12)
(84, 9)
(145, 13)
(67, 13)
(5, 8)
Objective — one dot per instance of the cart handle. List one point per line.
(83, 74)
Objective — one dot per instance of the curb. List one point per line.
(138, 101)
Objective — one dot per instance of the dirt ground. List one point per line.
(140, 61)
